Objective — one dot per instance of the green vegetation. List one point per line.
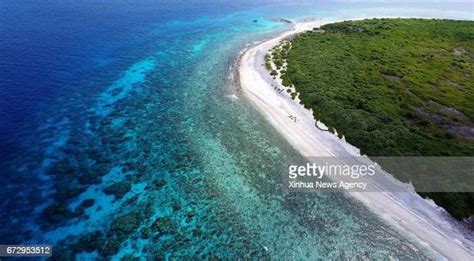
(279, 54)
(268, 64)
(392, 87)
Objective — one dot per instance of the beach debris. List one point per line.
(293, 118)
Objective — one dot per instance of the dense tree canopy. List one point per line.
(392, 87)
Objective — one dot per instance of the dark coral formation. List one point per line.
(163, 225)
(118, 189)
(57, 213)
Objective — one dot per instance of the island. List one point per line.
(380, 87)
(392, 87)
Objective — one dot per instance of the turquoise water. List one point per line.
(122, 137)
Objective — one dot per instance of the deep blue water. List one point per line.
(120, 135)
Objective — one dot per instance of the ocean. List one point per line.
(123, 134)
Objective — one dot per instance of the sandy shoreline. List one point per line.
(406, 210)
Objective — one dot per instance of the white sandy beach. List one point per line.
(406, 210)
